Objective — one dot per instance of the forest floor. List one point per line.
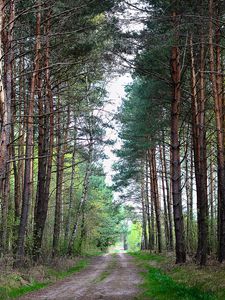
(110, 276)
(15, 282)
(163, 280)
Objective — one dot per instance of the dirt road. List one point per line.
(110, 277)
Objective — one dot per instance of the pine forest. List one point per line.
(112, 149)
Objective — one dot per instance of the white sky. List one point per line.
(116, 92)
(115, 89)
(130, 21)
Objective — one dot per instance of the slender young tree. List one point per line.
(61, 150)
(155, 195)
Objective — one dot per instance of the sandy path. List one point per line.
(108, 277)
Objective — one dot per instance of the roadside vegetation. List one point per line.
(17, 282)
(162, 280)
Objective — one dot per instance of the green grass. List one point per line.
(106, 273)
(102, 276)
(17, 292)
(145, 256)
(52, 275)
(158, 285)
(81, 264)
(92, 253)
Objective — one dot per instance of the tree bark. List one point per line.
(45, 163)
(199, 143)
(6, 85)
(144, 245)
(166, 222)
(61, 149)
(27, 190)
(155, 195)
(72, 190)
(147, 204)
(175, 152)
(218, 107)
(83, 199)
(168, 197)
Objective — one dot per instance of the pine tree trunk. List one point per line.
(187, 189)
(45, 162)
(175, 153)
(61, 149)
(166, 223)
(211, 200)
(6, 85)
(152, 204)
(83, 199)
(72, 190)
(144, 218)
(27, 190)
(199, 143)
(168, 198)
(148, 215)
(155, 195)
(218, 107)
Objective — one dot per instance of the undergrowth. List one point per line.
(16, 284)
(162, 280)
